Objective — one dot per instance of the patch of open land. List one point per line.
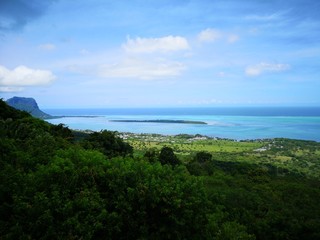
(302, 157)
(298, 156)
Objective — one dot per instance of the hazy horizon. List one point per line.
(184, 107)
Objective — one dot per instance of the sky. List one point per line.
(160, 53)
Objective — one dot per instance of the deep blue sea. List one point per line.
(235, 123)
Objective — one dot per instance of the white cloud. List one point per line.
(258, 69)
(21, 76)
(232, 38)
(139, 59)
(47, 47)
(151, 45)
(212, 35)
(267, 17)
(209, 35)
(141, 69)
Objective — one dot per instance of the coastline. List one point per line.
(80, 116)
(224, 127)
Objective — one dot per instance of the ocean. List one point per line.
(239, 123)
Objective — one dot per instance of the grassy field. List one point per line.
(301, 157)
(184, 145)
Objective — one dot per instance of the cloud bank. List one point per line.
(138, 58)
(22, 76)
(142, 69)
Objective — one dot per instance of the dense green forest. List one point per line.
(56, 183)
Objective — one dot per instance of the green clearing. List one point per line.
(191, 145)
(298, 156)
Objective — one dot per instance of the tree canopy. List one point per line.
(54, 187)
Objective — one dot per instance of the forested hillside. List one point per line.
(59, 184)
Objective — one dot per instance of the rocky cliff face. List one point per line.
(29, 105)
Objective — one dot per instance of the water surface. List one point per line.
(234, 123)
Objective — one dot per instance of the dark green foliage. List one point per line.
(108, 143)
(151, 155)
(201, 169)
(79, 135)
(61, 130)
(9, 112)
(280, 208)
(167, 156)
(52, 188)
(201, 164)
(202, 157)
(80, 195)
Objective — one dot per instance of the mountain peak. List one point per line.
(29, 105)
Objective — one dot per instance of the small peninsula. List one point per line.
(161, 121)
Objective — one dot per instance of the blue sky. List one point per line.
(161, 53)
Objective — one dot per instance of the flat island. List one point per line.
(161, 121)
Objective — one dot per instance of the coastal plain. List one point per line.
(296, 156)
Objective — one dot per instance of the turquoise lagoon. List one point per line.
(233, 123)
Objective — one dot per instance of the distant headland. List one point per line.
(28, 105)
